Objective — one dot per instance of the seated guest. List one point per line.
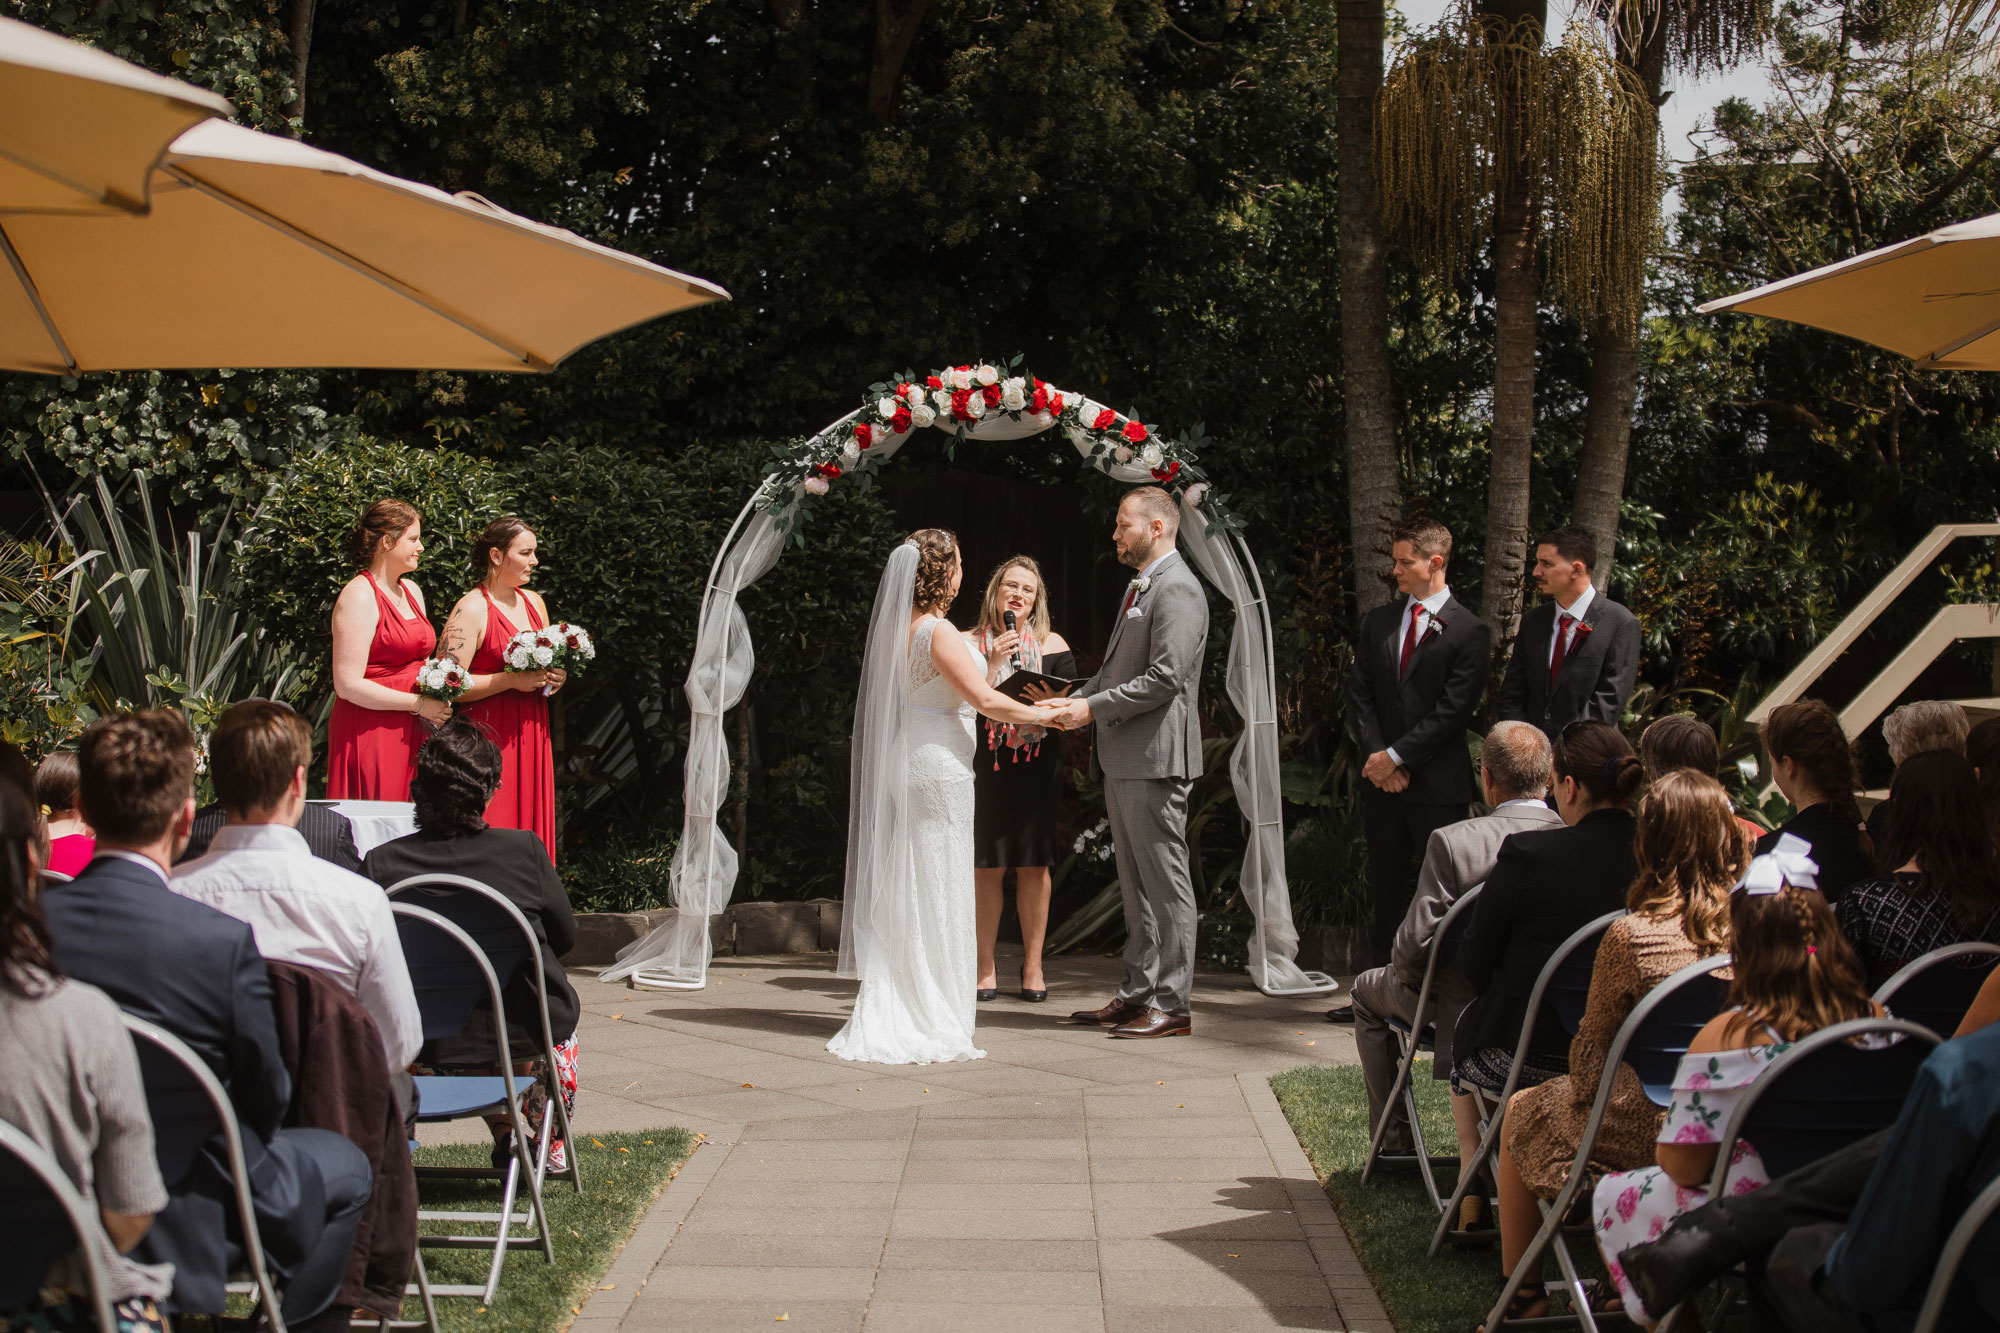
(1544, 885)
(304, 910)
(327, 833)
(1982, 748)
(1682, 740)
(1793, 975)
(196, 972)
(1814, 769)
(458, 770)
(1928, 724)
(1689, 853)
(73, 1087)
(70, 842)
(1940, 885)
(1847, 1243)
(1514, 777)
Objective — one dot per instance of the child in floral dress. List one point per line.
(1794, 974)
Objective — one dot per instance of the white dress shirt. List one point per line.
(1425, 609)
(314, 914)
(1574, 610)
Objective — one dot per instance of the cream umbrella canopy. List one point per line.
(81, 130)
(261, 252)
(1935, 299)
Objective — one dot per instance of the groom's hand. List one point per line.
(1069, 715)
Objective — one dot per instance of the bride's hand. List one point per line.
(1002, 649)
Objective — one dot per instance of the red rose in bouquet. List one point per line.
(1135, 433)
(1105, 420)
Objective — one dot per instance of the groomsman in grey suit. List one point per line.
(1143, 700)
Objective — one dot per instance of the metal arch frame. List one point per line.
(657, 978)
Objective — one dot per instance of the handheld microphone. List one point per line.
(1007, 619)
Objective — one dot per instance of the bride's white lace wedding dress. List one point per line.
(917, 1006)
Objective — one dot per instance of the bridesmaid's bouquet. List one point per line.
(558, 647)
(441, 678)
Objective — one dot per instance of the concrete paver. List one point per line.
(1067, 1181)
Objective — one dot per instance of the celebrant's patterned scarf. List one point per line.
(1013, 736)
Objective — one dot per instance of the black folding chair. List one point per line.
(1421, 1035)
(499, 927)
(1564, 985)
(1652, 1040)
(1953, 1255)
(46, 1219)
(1938, 988)
(1819, 1096)
(190, 1109)
(451, 973)
(53, 877)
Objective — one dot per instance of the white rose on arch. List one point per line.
(959, 378)
(850, 454)
(886, 406)
(942, 399)
(1122, 454)
(1012, 396)
(975, 406)
(1150, 456)
(921, 415)
(1196, 493)
(914, 393)
(817, 485)
(986, 375)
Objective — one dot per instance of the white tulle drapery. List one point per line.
(675, 956)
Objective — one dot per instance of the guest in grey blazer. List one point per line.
(1514, 774)
(1144, 702)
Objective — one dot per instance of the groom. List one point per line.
(1149, 751)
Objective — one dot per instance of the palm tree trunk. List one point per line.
(1374, 498)
(1514, 304)
(1614, 380)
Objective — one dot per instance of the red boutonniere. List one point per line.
(1578, 633)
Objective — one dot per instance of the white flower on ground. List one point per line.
(1150, 456)
(986, 375)
(921, 415)
(886, 406)
(817, 485)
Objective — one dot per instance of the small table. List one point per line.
(376, 822)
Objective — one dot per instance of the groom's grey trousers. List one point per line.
(1149, 831)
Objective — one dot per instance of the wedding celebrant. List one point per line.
(1144, 702)
(907, 931)
(1018, 775)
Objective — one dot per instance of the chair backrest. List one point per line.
(54, 877)
(1824, 1093)
(1938, 988)
(450, 974)
(1583, 941)
(46, 1218)
(1970, 1224)
(1657, 1045)
(1565, 979)
(484, 913)
(1457, 920)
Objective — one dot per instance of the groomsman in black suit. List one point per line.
(1419, 669)
(1577, 655)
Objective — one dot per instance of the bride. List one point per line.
(907, 931)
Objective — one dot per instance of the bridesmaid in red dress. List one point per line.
(508, 705)
(381, 635)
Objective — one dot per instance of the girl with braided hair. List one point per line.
(1793, 975)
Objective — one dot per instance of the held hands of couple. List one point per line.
(1064, 714)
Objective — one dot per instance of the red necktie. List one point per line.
(1563, 623)
(1409, 640)
(1131, 596)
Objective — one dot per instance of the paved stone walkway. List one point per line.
(1065, 1182)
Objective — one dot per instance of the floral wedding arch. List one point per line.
(972, 403)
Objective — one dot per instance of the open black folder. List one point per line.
(1016, 686)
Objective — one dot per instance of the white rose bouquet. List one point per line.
(442, 679)
(558, 647)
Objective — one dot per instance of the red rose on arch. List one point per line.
(1167, 473)
(901, 421)
(991, 393)
(1135, 433)
(959, 400)
(864, 434)
(933, 382)
(1056, 403)
(827, 470)
(1105, 420)
(1040, 402)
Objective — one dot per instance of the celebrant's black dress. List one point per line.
(1016, 789)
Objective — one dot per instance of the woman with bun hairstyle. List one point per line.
(1690, 852)
(509, 705)
(1814, 767)
(381, 635)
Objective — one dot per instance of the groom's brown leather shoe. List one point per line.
(1156, 1024)
(1111, 1015)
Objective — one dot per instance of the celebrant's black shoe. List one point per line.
(985, 993)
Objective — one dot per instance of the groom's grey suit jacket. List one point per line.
(1144, 697)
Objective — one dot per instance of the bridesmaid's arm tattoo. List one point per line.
(454, 643)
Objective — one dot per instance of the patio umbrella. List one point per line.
(261, 252)
(83, 130)
(1935, 299)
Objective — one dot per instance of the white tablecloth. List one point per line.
(376, 822)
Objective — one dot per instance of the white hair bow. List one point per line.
(1787, 863)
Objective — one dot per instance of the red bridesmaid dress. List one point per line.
(518, 722)
(371, 754)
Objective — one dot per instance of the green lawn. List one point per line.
(622, 1175)
(1389, 1219)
